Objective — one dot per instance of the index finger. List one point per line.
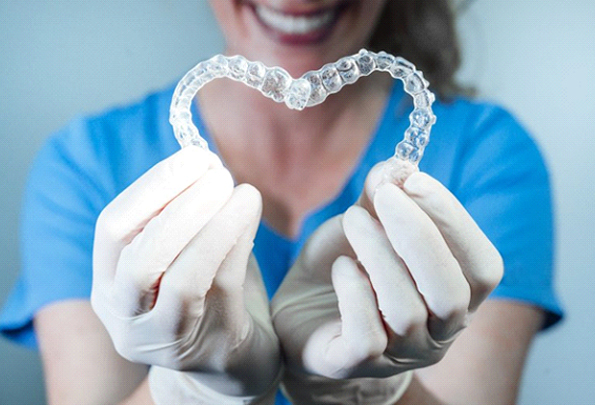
(132, 209)
(479, 259)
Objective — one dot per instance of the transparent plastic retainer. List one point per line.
(312, 89)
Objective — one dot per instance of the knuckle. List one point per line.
(453, 303)
(409, 323)
(109, 226)
(122, 348)
(251, 198)
(492, 273)
(248, 190)
(457, 306)
(105, 225)
(98, 303)
(122, 342)
(497, 268)
(126, 349)
(369, 347)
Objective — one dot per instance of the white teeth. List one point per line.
(289, 24)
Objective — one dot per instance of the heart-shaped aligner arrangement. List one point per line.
(312, 89)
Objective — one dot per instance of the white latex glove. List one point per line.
(380, 291)
(176, 286)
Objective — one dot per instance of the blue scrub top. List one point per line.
(477, 150)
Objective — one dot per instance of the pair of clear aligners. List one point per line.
(309, 90)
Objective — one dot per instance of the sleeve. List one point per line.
(504, 184)
(61, 203)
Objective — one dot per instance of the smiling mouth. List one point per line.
(299, 28)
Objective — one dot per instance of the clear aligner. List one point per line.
(309, 90)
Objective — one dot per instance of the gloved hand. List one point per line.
(176, 286)
(380, 291)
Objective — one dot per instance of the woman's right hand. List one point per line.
(175, 283)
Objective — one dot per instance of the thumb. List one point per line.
(247, 201)
(222, 246)
(322, 248)
(393, 170)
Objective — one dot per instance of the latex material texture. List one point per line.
(381, 290)
(162, 306)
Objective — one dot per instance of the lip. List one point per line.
(301, 39)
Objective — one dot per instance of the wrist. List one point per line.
(310, 389)
(185, 387)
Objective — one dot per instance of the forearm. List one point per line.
(80, 363)
(418, 394)
(140, 396)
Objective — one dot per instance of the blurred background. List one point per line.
(61, 58)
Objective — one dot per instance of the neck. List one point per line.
(239, 117)
(298, 160)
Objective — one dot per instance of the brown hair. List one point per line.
(423, 31)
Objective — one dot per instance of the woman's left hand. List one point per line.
(382, 290)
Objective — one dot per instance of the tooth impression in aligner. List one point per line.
(312, 89)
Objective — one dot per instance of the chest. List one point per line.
(291, 191)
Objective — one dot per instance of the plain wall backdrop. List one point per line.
(61, 58)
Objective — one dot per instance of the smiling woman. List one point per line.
(372, 286)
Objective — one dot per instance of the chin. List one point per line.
(300, 36)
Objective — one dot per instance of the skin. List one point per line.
(245, 35)
(284, 160)
(281, 152)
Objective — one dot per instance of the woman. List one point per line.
(373, 285)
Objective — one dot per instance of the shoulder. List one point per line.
(138, 122)
(471, 123)
(109, 149)
(474, 141)
(477, 122)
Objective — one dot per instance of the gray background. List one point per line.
(60, 58)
